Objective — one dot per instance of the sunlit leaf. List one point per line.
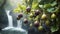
(41, 6)
(34, 4)
(54, 28)
(23, 7)
(18, 9)
(50, 10)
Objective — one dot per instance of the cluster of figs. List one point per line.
(42, 17)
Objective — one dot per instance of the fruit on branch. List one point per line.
(43, 16)
(37, 12)
(53, 16)
(36, 23)
(19, 16)
(47, 22)
(31, 15)
(31, 25)
(25, 21)
(40, 28)
(28, 9)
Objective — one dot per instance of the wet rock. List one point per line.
(3, 18)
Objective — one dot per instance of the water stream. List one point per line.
(10, 21)
(13, 30)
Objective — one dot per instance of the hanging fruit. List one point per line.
(47, 22)
(31, 15)
(36, 23)
(40, 28)
(19, 16)
(53, 16)
(43, 16)
(28, 9)
(31, 25)
(25, 21)
(37, 12)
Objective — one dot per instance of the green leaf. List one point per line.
(54, 28)
(23, 7)
(47, 5)
(34, 4)
(54, 3)
(50, 10)
(41, 6)
(37, 17)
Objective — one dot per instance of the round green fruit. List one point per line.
(40, 28)
(53, 16)
(31, 25)
(43, 16)
(31, 15)
(47, 22)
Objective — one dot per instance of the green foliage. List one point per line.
(54, 28)
(48, 6)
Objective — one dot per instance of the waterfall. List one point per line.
(10, 24)
(10, 21)
(19, 23)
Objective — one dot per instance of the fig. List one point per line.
(37, 12)
(31, 25)
(36, 23)
(28, 9)
(20, 15)
(18, 18)
(53, 16)
(43, 16)
(25, 21)
(40, 28)
(31, 15)
(47, 22)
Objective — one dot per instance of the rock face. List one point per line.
(3, 18)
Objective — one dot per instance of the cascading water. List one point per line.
(19, 28)
(19, 23)
(13, 30)
(10, 29)
(10, 21)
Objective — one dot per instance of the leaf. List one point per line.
(34, 4)
(50, 10)
(54, 28)
(41, 6)
(37, 17)
(18, 9)
(22, 7)
(54, 3)
(47, 5)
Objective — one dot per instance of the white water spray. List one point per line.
(10, 21)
